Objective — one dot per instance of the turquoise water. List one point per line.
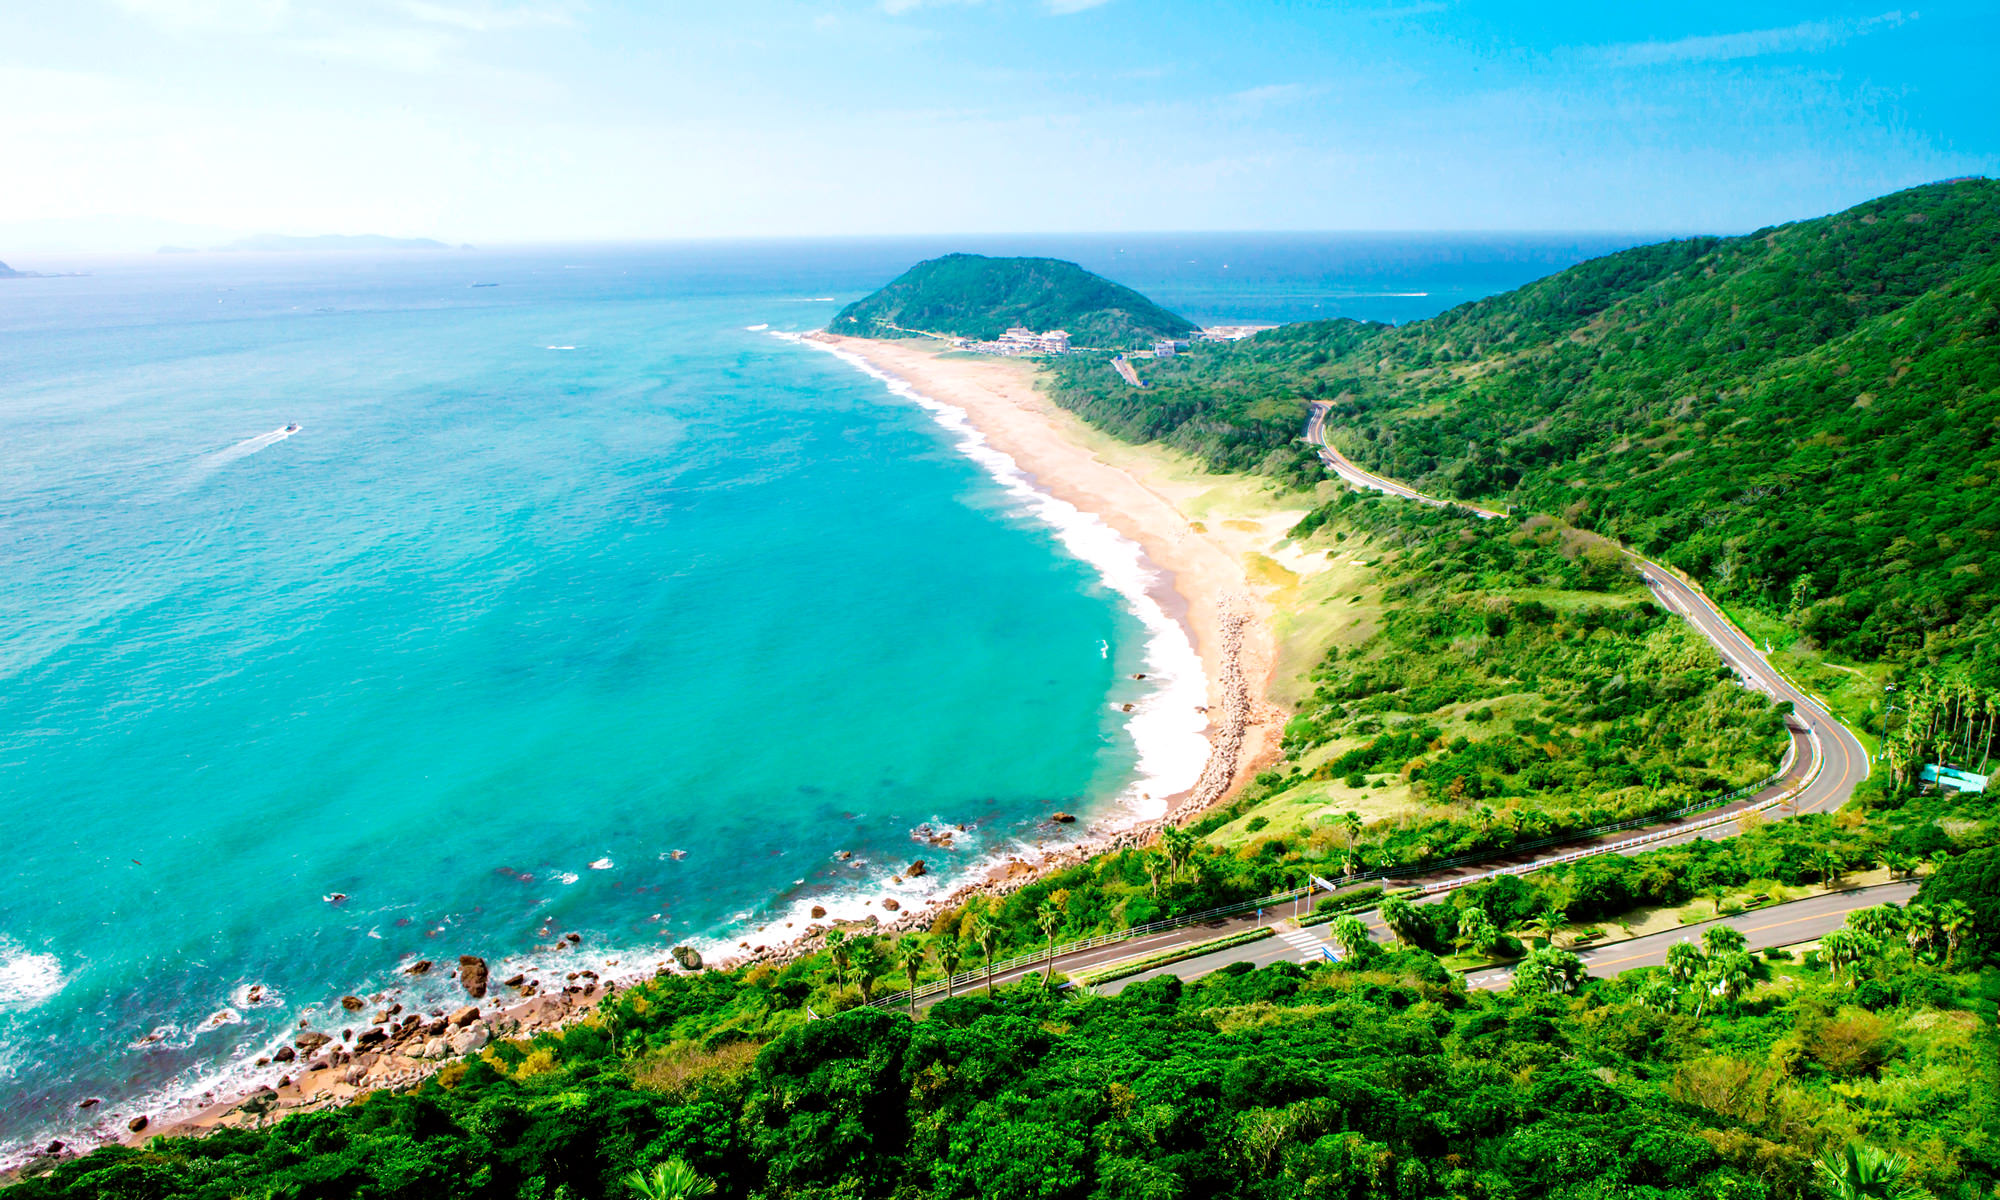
(558, 580)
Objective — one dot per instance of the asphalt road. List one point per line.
(1825, 755)
(1778, 925)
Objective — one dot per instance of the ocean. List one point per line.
(584, 601)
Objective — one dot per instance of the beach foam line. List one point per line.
(1167, 725)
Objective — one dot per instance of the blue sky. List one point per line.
(552, 120)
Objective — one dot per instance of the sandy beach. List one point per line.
(1202, 569)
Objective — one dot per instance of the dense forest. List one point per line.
(1721, 1075)
(1802, 418)
(971, 295)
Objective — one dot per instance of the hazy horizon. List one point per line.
(539, 122)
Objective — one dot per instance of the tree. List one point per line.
(949, 953)
(1178, 845)
(1830, 865)
(1844, 949)
(1954, 920)
(1546, 919)
(910, 956)
(673, 1179)
(868, 967)
(1050, 917)
(1722, 939)
(1477, 932)
(1402, 919)
(842, 953)
(1877, 922)
(1548, 971)
(1352, 934)
(1685, 962)
(1862, 1172)
(1726, 979)
(1973, 879)
(986, 935)
(1350, 823)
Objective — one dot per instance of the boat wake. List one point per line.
(210, 463)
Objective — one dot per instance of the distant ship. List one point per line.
(483, 285)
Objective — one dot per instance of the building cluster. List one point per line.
(1018, 341)
(1168, 347)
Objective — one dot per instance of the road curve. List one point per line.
(1842, 761)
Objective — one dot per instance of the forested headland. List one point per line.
(973, 296)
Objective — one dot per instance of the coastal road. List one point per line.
(1843, 761)
(1778, 925)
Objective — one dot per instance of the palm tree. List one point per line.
(1722, 939)
(1546, 919)
(910, 956)
(1050, 917)
(1920, 927)
(837, 945)
(1476, 931)
(1350, 823)
(673, 1179)
(986, 935)
(1155, 866)
(1728, 977)
(1844, 948)
(948, 955)
(1861, 1172)
(1179, 846)
(1877, 922)
(1401, 918)
(1352, 934)
(1830, 865)
(868, 966)
(1954, 920)
(1685, 962)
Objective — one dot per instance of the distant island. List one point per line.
(265, 242)
(979, 298)
(7, 272)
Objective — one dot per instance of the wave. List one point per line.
(27, 977)
(1167, 725)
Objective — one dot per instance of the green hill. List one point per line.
(970, 295)
(1803, 418)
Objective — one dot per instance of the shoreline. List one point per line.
(1198, 585)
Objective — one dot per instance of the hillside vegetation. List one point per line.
(1803, 418)
(970, 295)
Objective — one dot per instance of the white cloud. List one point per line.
(1805, 37)
(1065, 7)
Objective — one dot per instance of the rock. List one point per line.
(844, 855)
(285, 1054)
(472, 974)
(514, 981)
(419, 967)
(916, 869)
(465, 1041)
(437, 1047)
(381, 1017)
(309, 1042)
(572, 938)
(54, 1148)
(351, 1003)
(464, 1016)
(819, 911)
(137, 1123)
(688, 956)
(260, 1101)
(371, 1037)
(1063, 818)
(263, 1062)
(90, 1103)
(891, 905)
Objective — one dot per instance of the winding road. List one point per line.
(1825, 764)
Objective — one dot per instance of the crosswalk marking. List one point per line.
(1310, 946)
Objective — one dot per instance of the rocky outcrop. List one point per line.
(472, 975)
(688, 956)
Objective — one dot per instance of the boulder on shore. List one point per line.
(1063, 818)
(311, 1041)
(818, 911)
(137, 1123)
(352, 1003)
(464, 1016)
(419, 967)
(472, 972)
(916, 868)
(688, 957)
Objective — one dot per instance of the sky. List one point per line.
(132, 122)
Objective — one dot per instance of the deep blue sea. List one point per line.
(579, 602)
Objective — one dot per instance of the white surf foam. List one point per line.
(27, 977)
(1167, 725)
